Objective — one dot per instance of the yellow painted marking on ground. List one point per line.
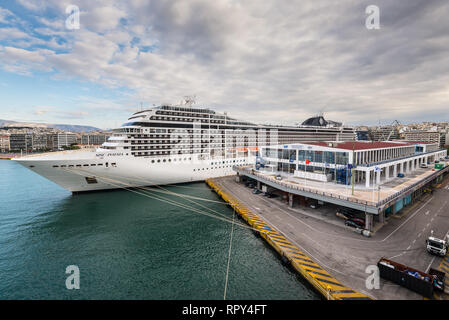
(305, 265)
(444, 268)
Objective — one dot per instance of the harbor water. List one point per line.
(130, 246)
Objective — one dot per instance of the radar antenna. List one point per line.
(189, 100)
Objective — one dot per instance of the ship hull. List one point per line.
(91, 173)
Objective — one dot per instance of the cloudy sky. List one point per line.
(263, 61)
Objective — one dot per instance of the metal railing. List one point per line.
(305, 189)
(378, 204)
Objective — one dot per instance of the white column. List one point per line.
(378, 177)
(387, 173)
(367, 178)
(395, 170)
(402, 168)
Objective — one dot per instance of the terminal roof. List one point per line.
(357, 145)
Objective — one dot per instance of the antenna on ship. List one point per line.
(189, 100)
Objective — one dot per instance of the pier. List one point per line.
(329, 287)
(331, 256)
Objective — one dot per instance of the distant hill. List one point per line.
(65, 127)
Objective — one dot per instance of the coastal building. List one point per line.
(95, 139)
(4, 142)
(444, 139)
(385, 133)
(21, 142)
(424, 136)
(57, 141)
(362, 135)
(39, 141)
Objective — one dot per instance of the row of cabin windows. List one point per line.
(185, 119)
(212, 163)
(169, 160)
(212, 168)
(175, 147)
(204, 140)
(113, 164)
(145, 153)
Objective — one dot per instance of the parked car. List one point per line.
(352, 224)
(401, 175)
(359, 221)
(250, 182)
(424, 165)
(344, 215)
(278, 177)
(256, 191)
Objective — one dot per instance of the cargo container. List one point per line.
(410, 278)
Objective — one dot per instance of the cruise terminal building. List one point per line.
(375, 178)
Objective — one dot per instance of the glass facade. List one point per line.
(342, 158)
(289, 154)
(329, 157)
(324, 157)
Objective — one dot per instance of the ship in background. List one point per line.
(174, 144)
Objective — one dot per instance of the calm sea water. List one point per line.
(128, 246)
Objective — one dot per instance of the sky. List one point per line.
(262, 61)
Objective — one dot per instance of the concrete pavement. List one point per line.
(345, 254)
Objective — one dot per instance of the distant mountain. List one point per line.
(65, 127)
(74, 128)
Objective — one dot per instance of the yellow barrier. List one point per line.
(329, 287)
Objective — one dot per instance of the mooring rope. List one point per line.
(229, 258)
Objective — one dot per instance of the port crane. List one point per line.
(392, 125)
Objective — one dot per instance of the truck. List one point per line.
(439, 166)
(418, 281)
(437, 246)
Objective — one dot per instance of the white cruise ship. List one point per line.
(173, 144)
